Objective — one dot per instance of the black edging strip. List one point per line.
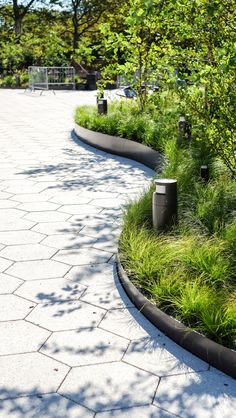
(211, 352)
(120, 146)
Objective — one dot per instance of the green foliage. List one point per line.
(189, 271)
(154, 127)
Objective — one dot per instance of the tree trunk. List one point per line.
(17, 19)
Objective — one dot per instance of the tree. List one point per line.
(138, 50)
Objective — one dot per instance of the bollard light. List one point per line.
(184, 131)
(164, 204)
(102, 106)
(204, 173)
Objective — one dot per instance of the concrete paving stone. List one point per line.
(21, 337)
(70, 198)
(95, 275)
(15, 225)
(7, 215)
(198, 395)
(5, 195)
(107, 244)
(96, 220)
(85, 346)
(74, 209)
(62, 316)
(7, 204)
(68, 241)
(20, 237)
(147, 411)
(19, 183)
(128, 323)
(107, 296)
(47, 216)
(53, 228)
(107, 230)
(38, 269)
(25, 189)
(13, 307)
(38, 206)
(30, 374)
(8, 283)
(4, 264)
(98, 195)
(110, 203)
(43, 406)
(50, 290)
(162, 357)
(109, 386)
(82, 256)
(33, 197)
(27, 252)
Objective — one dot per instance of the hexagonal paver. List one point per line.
(8, 215)
(47, 216)
(96, 275)
(8, 283)
(38, 206)
(74, 209)
(198, 395)
(109, 386)
(12, 307)
(82, 256)
(30, 374)
(54, 228)
(43, 406)
(68, 241)
(38, 269)
(20, 237)
(51, 290)
(66, 315)
(129, 323)
(70, 198)
(15, 225)
(106, 203)
(102, 230)
(162, 357)
(5, 195)
(7, 204)
(33, 197)
(4, 264)
(107, 296)
(21, 337)
(148, 411)
(27, 252)
(85, 346)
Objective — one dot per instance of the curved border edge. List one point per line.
(218, 356)
(120, 146)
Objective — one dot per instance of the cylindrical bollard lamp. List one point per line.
(204, 173)
(102, 106)
(164, 204)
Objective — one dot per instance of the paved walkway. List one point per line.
(71, 343)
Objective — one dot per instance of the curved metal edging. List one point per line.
(215, 354)
(120, 146)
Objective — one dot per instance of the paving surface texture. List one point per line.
(71, 343)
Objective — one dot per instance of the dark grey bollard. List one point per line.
(102, 106)
(164, 204)
(204, 173)
(184, 131)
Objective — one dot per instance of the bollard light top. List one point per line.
(165, 181)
